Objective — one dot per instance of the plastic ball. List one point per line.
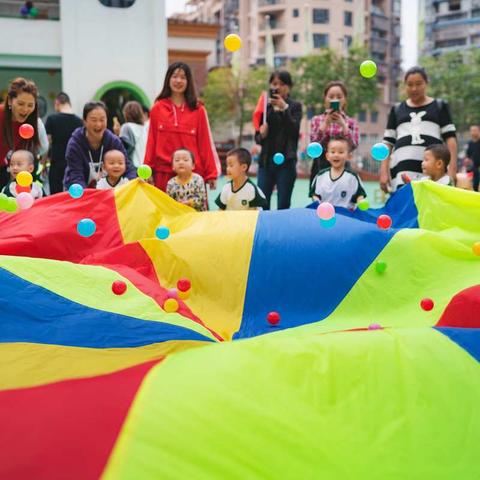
(278, 158)
(86, 227)
(314, 150)
(363, 204)
(170, 305)
(26, 131)
(380, 152)
(381, 266)
(3, 201)
(24, 179)
(172, 293)
(184, 284)
(144, 172)
(24, 11)
(384, 222)
(162, 232)
(273, 318)
(232, 42)
(368, 69)
(75, 190)
(375, 326)
(20, 189)
(183, 295)
(326, 211)
(476, 248)
(328, 223)
(11, 205)
(427, 304)
(33, 12)
(25, 200)
(119, 287)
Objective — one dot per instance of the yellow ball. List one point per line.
(476, 248)
(183, 295)
(170, 305)
(24, 179)
(232, 42)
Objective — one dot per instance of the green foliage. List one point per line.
(313, 72)
(455, 77)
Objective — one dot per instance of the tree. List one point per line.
(455, 77)
(313, 72)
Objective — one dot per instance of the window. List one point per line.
(295, 12)
(347, 41)
(362, 116)
(295, 37)
(117, 3)
(348, 19)
(374, 117)
(321, 15)
(320, 40)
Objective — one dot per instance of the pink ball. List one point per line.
(24, 200)
(172, 293)
(375, 326)
(326, 211)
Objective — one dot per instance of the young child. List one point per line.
(240, 193)
(435, 163)
(337, 184)
(187, 187)
(21, 161)
(114, 166)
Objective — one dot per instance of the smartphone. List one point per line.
(273, 92)
(335, 105)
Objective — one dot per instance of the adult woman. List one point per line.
(416, 123)
(133, 132)
(88, 144)
(279, 134)
(20, 107)
(333, 122)
(179, 120)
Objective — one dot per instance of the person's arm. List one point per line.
(74, 173)
(360, 194)
(292, 117)
(448, 132)
(453, 149)
(42, 138)
(389, 139)
(150, 149)
(206, 147)
(318, 128)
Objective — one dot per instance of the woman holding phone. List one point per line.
(333, 122)
(278, 133)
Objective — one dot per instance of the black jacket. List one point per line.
(283, 133)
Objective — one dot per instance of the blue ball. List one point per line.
(314, 150)
(278, 158)
(328, 223)
(162, 233)
(86, 227)
(380, 152)
(75, 190)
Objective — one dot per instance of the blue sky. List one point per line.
(409, 27)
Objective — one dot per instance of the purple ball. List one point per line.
(24, 11)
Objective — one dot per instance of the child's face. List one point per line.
(114, 164)
(182, 163)
(338, 153)
(19, 163)
(431, 166)
(235, 169)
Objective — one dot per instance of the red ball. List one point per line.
(20, 189)
(119, 287)
(184, 284)
(384, 222)
(273, 318)
(427, 304)
(26, 131)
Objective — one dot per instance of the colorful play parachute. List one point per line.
(356, 381)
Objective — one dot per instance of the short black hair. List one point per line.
(440, 152)
(416, 70)
(283, 76)
(342, 138)
(63, 98)
(192, 156)
(243, 156)
(27, 153)
(89, 106)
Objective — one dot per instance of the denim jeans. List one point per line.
(283, 177)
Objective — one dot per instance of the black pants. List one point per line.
(476, 177)
(55, 177)
(283, 177)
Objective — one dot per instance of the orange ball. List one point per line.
(476, 248)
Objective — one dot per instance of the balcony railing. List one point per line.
(270, 3)
(47, 10)
(274, 24)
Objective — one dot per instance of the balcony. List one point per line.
(47, 10)
(275, 24)
(265, 6)
(378, 45)
(380, 22)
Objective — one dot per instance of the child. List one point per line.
(114, 166)
(187, 187)
(21, 161)
(240, 193)
(337, 184)
(435, 163)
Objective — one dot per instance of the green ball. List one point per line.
(363, 205)
(33, 12)
(11, 205)
(368, 69)
(3, 202)
(381, 266)
(144, 172)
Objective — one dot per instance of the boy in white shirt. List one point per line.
(435, 164)
(114, 166)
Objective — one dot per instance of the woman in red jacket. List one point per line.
(179, 120)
